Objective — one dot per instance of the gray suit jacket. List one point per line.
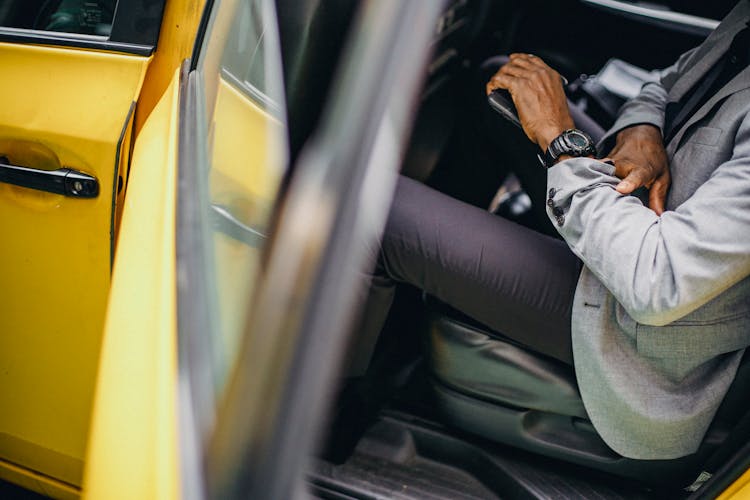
(661, 314)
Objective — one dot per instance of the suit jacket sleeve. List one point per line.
(658, 268)
(649, 106)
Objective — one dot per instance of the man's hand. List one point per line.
(640, 160)
(539, 97)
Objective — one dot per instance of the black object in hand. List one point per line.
(502, 102)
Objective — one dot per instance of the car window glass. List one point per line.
(243, 56)
(245, 134)
(87, 17)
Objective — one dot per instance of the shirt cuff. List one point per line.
(568, 177)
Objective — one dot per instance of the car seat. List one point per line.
(488, 385)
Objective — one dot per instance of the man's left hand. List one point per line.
(539, 97)
(641, 161)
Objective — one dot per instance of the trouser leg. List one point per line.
(516, 281)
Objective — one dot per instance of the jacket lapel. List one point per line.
(739, 82)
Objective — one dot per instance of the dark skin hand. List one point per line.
(641, 160)
(539, 97)
(537, 92)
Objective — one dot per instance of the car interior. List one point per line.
(449, 408)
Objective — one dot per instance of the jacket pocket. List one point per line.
(721, 325)
(705, 136)
(690, 339)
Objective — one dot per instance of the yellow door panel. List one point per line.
(133, 450)
(176, 40)
(248, 149)
(71, 108)
(248, 158)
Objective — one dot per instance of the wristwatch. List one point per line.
(572, 142)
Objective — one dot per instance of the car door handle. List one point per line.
(657, 15)
(64, 181)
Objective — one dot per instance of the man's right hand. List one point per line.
(641, 160)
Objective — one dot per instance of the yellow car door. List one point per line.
(72, 73)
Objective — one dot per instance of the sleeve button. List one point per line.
(558, 212)
(552, 193)
(560, 220)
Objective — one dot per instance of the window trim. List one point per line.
(196, 398)
(251, 91)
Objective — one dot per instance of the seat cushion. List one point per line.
(471, 360)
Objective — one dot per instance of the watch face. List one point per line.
(578, 140)
(579, 143)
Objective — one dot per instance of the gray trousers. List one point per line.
(516, 281)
